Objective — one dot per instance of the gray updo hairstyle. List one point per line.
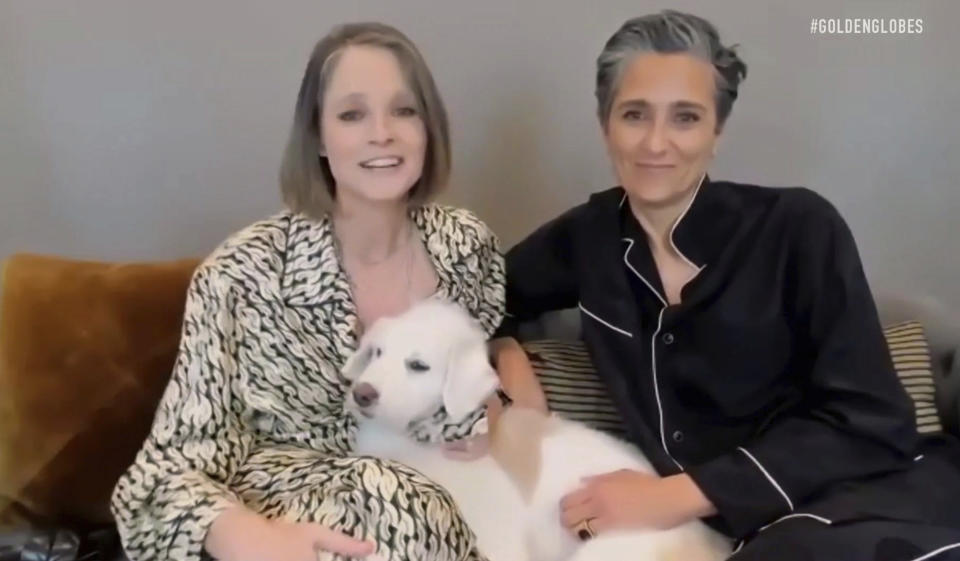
(669, 31)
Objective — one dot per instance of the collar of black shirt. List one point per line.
(702, 231)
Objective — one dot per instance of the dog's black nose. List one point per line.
(365, 395)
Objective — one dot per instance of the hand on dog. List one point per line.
(517, 377)
(243, 535)
(628, 499)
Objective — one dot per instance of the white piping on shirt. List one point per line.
(937, 552)
(663, 300)
(923, 557)
(768, 476)
(677, 223)
(656, 386)
(797, 515)
(604, 322)
(629, 266)
(653, 350)
(742, 542)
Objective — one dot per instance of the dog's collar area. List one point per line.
(428, 427)
(436, 427)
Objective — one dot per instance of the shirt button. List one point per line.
(667, 338)
(678, 436)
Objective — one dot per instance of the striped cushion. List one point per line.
(571, 385)
(573, 389)
(911, 358)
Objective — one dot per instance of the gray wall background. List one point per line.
(134, 130)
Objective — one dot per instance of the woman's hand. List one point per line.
(239, 534)
(516, 375)
(518, 380)
(631, 499)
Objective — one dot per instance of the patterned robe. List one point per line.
(254, 410)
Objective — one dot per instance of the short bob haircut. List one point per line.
(306, 182)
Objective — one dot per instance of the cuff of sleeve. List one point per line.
(509, 327)
(194, 524)
(742, 490)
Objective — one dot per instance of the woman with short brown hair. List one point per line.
(249, 458)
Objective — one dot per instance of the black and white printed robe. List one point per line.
(254, 411)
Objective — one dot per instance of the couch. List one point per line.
(86, 349)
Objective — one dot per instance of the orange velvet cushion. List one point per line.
(86, 350)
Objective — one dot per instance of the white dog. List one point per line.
(433, 358)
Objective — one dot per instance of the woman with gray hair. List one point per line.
(735, 329)
(249, 457)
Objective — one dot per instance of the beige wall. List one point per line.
(145, 130)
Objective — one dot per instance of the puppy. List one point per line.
(418, 376)
(428, 369)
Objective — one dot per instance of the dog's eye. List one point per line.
(417, 365)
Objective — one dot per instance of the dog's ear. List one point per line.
(360, 359)
(357, 362)
(469, 379)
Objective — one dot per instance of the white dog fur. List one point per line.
(434, 355)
